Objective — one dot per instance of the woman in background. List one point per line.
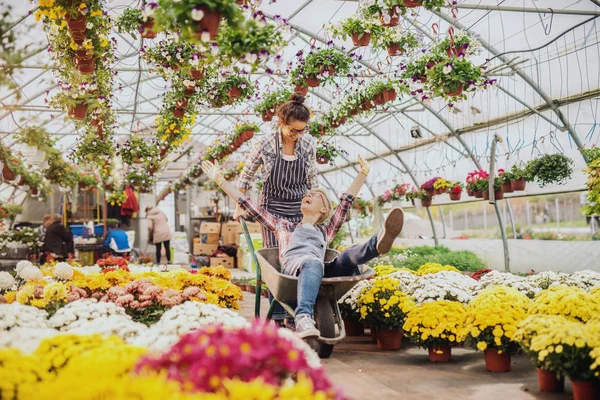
(159, 232)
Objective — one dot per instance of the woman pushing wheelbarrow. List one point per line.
(302, 245)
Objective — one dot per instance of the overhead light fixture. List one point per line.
(415, 132)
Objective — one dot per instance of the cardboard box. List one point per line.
(227, 262)
(209, 238)
(253, 227)
(210, 227)
(231, 233)
(207, 249)
(196, 240)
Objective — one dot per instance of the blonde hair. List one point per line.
(325, 216)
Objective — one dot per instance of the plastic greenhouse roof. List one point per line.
(545, 55)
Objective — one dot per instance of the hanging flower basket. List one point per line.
(189, 92)
(507, 188)
(248, 134)
(453, 51)
(78, 112)
(455, 92)
(430, 192)
(585, 390)
(413, 3)
(209, 23)
(85, 66)
(322, 160)
(354, 112)
(394, 49)
(302, 89)
(379, 99)
(146, 29)
(196, 74)
(518, 184)
(394, 17)
(76, 24)
(267, 116)
(183, 103)
(109, 186)
(389, 94)
(478, 194)
(354, 327)
(426, 202)
(313, 82)
(389, 339)
(178, 112)
(34, 191)
(441, 353)
(7, 173)
(496, 362)
(361, 41)
(84, 54)
(234, 93)
(549, 382)
(329, 69)
(455, 196)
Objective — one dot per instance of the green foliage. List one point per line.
(550, 168)
(349, 26)
(518, 171)
(322, 58)
(414, 257)
(129, 21)
(339, 238)
(273, 100)
(448, 75)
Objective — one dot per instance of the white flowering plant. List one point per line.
(83, 310)
(120, 325)
(26, 339)
(7, 282)
(17, 315)
(348, 302)
(443, 285)
(497, 278)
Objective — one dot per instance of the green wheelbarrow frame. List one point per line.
(284, 289)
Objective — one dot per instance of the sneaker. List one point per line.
(391, 229)
(305, 327)
(290, 324)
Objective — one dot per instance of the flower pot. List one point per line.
(353, 112)
(313, 82)
(146, 29)
(354, 327)
(453, 51)
(178, 112)
(78, 112)
(248, 134)
(389, 339)
(394, 49)
(585, 390)
(426, 202)
(422, 78)
(470, 193)
(478, 194)
(189, 92)
(413, 3)
(252, 289)
(7, 173)
(455, 196)
(183, 103)
(301, 89)
(394, 18)
(495, 362)
(137, 160)
(322, 160)
(196, 74)
(507, 188)
(498, 194)
(442, 190)
(430, 192)
(84, 54)
(379, 99)
(389, 94)
(209, 23)
(485, 194)
(455, 92)
(234, 93)
(549, 382)
(361, 41)
(34, 191)
(329, 69)
(85, 66)
(373, 332)
(518, 184)
(267, 117)
(441, 353)
(76, 24)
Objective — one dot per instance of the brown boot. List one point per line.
(391, 229)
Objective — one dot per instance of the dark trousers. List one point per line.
(167, 245)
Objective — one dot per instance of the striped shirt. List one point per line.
(283, 228)
(264, 154)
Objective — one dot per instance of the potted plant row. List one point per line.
(319, 67)
(267, 108)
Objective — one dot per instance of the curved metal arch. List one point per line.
(523, 76)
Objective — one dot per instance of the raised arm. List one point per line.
(361, 177)
(253, 161)
(258, 213)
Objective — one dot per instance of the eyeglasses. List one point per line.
(312, 195)
(297, 131)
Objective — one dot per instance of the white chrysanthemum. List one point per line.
(443, 285)
(312, 358)
(31, 273)
(18, 315)
(120, 325)
(84, 309)
(25, 339)
(63, 271)
(22, 264)
(521, 283)
(6, 280)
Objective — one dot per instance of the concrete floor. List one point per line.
(364, 372)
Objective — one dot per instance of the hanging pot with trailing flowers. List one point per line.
(456, 192)
(147, 29)
(79, 111)
(7, 174)
(361, 39)
(391, 18)
(413, 3)
(302, 89)
(196, 74)
(313, 81)
(206, 20)
(322, 160)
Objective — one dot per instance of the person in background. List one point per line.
(58, 240)
(287, 158)
(159, 231)
(119, 239)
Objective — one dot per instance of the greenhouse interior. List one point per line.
(299, 199)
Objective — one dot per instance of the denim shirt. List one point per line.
(264, 152)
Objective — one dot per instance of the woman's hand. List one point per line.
(239, 212)
(364, 166)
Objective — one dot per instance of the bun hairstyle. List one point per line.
(294, 109)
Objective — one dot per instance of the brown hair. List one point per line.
(293, 109)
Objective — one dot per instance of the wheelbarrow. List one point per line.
(284, 290)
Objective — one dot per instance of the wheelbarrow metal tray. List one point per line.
(284, 287)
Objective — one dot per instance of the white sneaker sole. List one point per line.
(391, 229)
(309, 334)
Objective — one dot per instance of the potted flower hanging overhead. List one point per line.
(267, 108)
(397, 42)
(362, 32)
(135, 20)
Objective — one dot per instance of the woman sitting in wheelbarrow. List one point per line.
(302, 245)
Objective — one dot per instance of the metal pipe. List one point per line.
(493, 201)
(443, 221)
(512, 219)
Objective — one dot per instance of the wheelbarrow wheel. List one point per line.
(325, 325)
